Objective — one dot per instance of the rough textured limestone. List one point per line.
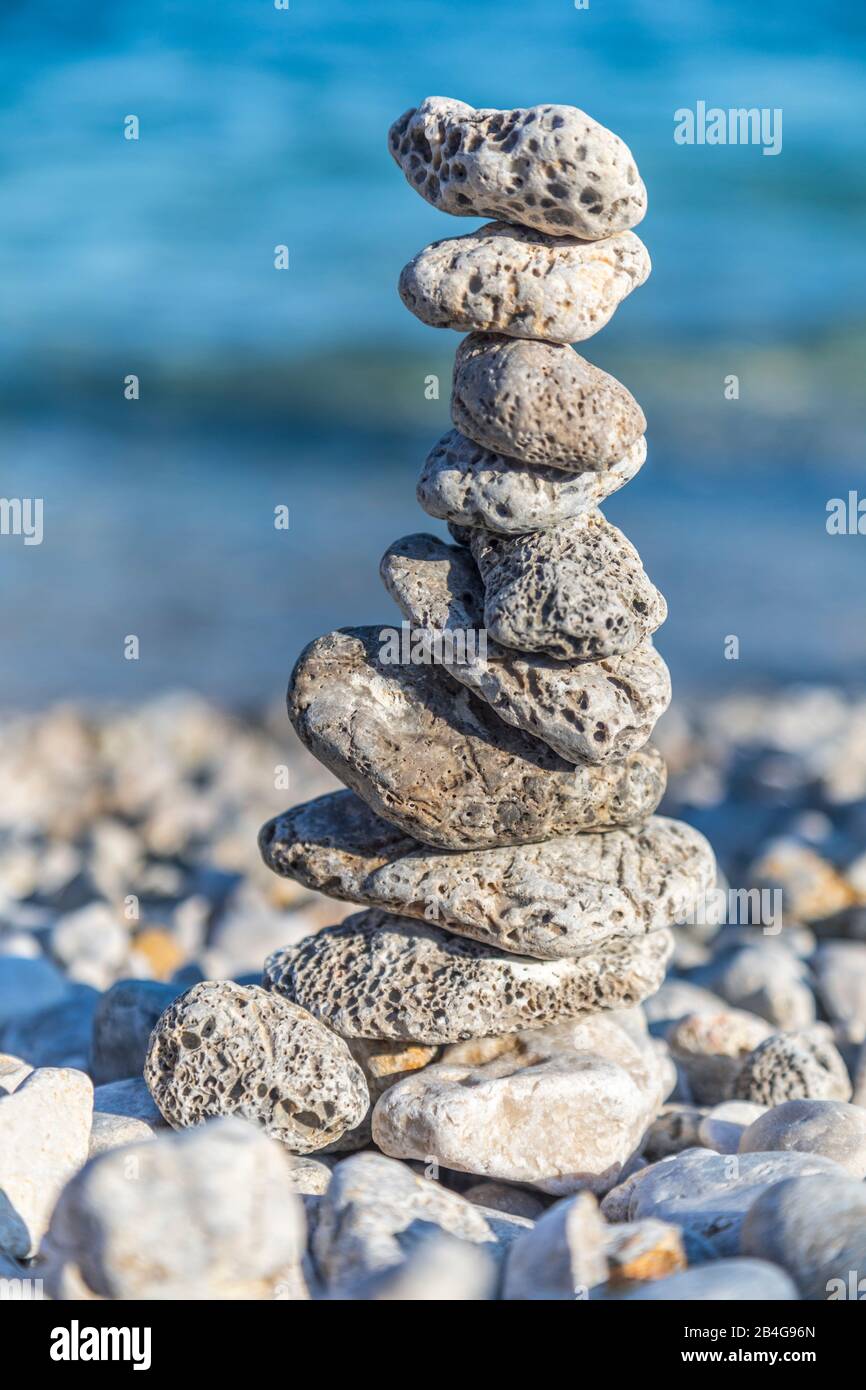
(641, 1251)
(227, 1049)
(792, 1066)
(437, 762)
(558, 1108)
(525, 284)
(585, 711)
(541, 403)
(708, 1194)
(212, 1214)
(815, 1228)
(577, 591)
(44, 1133)
(828, 1127)
(379, 976)
(560, 898)
(551, 167)
(465, 484)
(377, 1212)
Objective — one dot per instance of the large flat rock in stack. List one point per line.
(524, 283)
(437, 762)
(380, 976)
(590, 712)
(541, 403)
(560, 1108)
(466, 484)
(566, 897)
(577, 592)
(549, 167)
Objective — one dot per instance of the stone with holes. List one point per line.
(552, 167)
(380, 976)
(564, 897)
(524, 283)
(436, 761)
(468, 485)
(590, 712)
(577, 592)
(227, 1049)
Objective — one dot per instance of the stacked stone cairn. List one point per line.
(498, 828)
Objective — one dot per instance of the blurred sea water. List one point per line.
(306, 387)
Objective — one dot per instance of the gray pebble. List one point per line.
(541, 403)
(471, 781)
(827, 1127)
(815, 1228)
(577, 592)
(592, 712)
(122, 1024)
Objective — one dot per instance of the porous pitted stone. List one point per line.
(590, 712)
(227, 1049)
(380, 976)
(709, 1049)
(577, 591)
(551, 167)
(466, 484)
(541, 403)
(558, 1108)
(792, 1066)
(561, 898)
(438, 763)
(523, 283)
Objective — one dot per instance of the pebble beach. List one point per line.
(162, 803)
(494, 976)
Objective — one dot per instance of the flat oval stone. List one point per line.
(227, 1049)
(550, 167)
(708, 1194)
(564, 897)
(828, 1127)
(436, 762)
(525, 284)
(585, 712)
(380, 976)
(734, 1280)
(577, 592)
(467, 485)
(559, 1109)
(541, 403)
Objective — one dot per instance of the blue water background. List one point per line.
(305, 388)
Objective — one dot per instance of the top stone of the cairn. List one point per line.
(549, 167)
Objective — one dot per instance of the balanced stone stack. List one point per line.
(498, 825)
